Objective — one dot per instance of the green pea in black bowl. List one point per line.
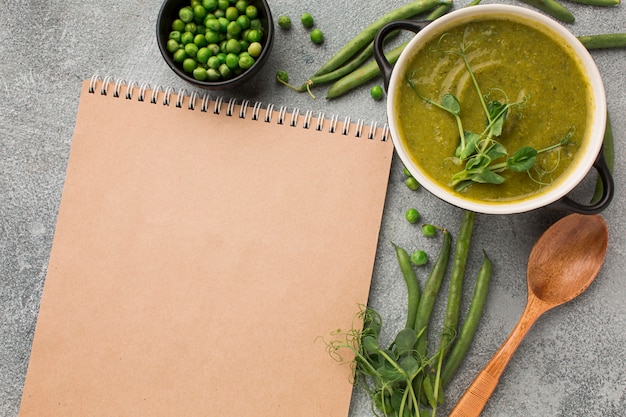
(170, 12)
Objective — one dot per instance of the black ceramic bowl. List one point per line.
(169, 12)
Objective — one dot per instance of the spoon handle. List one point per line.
(478, 393)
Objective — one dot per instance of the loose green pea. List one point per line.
(209, 5)
(429, 230)
(412, 183)
(189, 64)
(243, 21)
(222, 4)
(246, 61)
(186, 14)
(180, 55)
(178, 25)
(419, 257)
(172, 46)
(191, 49)
(241, 6)
(284, 22)
(199, 12)
(232, 61)
(225, 72)
(376, 92)
(232, 13)
(213, 25)
(233, 29)
(214, 62)
(191, 27)
(186, 38)
(233, 46)
(203, 55)
(213, 74)
(212, 36)
(307, 20)
(200, 74)
(175, 35)
(255, 49)
(254, 36)
(223, 24)
(412, 215)
(200, 40)
(317, 36)
(252, 12)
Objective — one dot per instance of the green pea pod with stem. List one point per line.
(605, 40)
(426, 304)
(609, 156)
(430, 292)
(466, 334)
(412, 286)
(553, 8)
(363, 38)
(601, 3)
(362, 74)
(344, 70)
(457, 274)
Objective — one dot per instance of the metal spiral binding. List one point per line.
(230, 110)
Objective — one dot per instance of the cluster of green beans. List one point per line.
(408, 378)
(215, 40)
(352, 65)
(454, 341)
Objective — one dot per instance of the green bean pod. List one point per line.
(606, 40)
(470, 324)
(404, 261)
(429, 294)
(362, 74)
(601, 3)
(426, 304)
(367, 35)
(344, 70)
(609, 156)
(553, 8)
(457, 274)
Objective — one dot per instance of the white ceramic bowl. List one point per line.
(555, 193)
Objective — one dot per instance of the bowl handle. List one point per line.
(608, 189)
(383, 63)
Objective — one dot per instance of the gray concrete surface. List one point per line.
(572, 362)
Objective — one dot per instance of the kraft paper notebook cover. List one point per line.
(202, 247)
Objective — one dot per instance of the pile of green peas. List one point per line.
(215, 40)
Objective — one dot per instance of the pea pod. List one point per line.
(344, 70)
(411, 285)
(429, 294)
(602, 3)
(457, 275)
(609, 156)
(605, 40)
(363, 38)
(363, 74)
(553, 8)
(470, 324)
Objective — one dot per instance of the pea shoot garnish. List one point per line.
(483, 155)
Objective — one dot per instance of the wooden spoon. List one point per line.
(562, 264)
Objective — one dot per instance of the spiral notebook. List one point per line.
(204, 248)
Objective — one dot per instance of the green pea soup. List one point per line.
(511, 60)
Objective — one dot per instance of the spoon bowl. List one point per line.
(562, 264)
(557, 275)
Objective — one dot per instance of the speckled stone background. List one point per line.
(572, 363)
